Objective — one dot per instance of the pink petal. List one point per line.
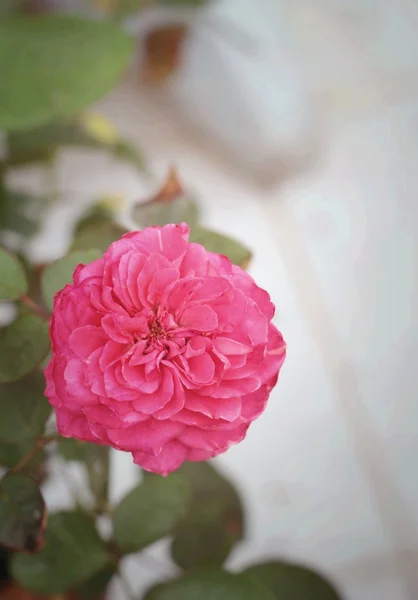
(199, 318)
(74, 425)
(201, 369)
(112, 352)
(172, 455)
(275, 354)
(228, 409)
(195, 262)
(93, 269)
(149, 436)
(75, 381)
(161, 280)
(137, 378)
(228, 346)
(102, 415)
(212, 440)
(148, 403)
(85, 340)
(112, 328)
(254, 404)
(174, 405)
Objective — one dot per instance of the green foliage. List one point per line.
(96, 460)
(288, 581)
(184, 3)
(13, 282)
(181, 209)
(151, 511)
(210, 584)
(60, 272)
(14, 209)
(95, 586)
(222, 244)
(12, 453)
(73, 553)
(40, 144)
(54, 66)
(24, 409)
(23, 345)
(22, 513)
(98, 235)
(216, 523)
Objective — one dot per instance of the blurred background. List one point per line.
(294, 123)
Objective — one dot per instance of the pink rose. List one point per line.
(162, 349)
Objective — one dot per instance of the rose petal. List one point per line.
(149, 436)
(172, 455)
(199, 318)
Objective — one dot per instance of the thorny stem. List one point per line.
(35, 307)
(39, 444)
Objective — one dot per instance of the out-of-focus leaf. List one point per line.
(71, 449)
(221, 244)
(90, 130)
(99, 235)
(151, 511)
(72, 554)
(11, 454)
(22, 513)
(60, 272)
(184, 3)
(14, 209)
(40, 144)
(95, 587)
(181, 210)
(216, 523)
(24, 409)
(170, 205)
(4, 567)
(13, 282)
(23, 345)
(96, 459)
(162, 52)
(10, 7)
(210, 584)
(288, 581)
(60, 64)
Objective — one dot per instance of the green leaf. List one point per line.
(184, 3)
(221, 244)
(151, 511)
(23, 345)
(13, 282)
(71, 449)
(11, 454)
(100, 236)
(96, 586)
(40, 144)
(288, 581)
(169, 205)
(73, 553)
(210, 584)
(15, 212)
(181, 210)
(22, 513)
(54, 66)
(60, 272)
(96, 459)
(24, 409)
(216, 524)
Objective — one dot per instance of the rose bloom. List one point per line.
(162, 349)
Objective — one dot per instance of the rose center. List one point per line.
(156, 330)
